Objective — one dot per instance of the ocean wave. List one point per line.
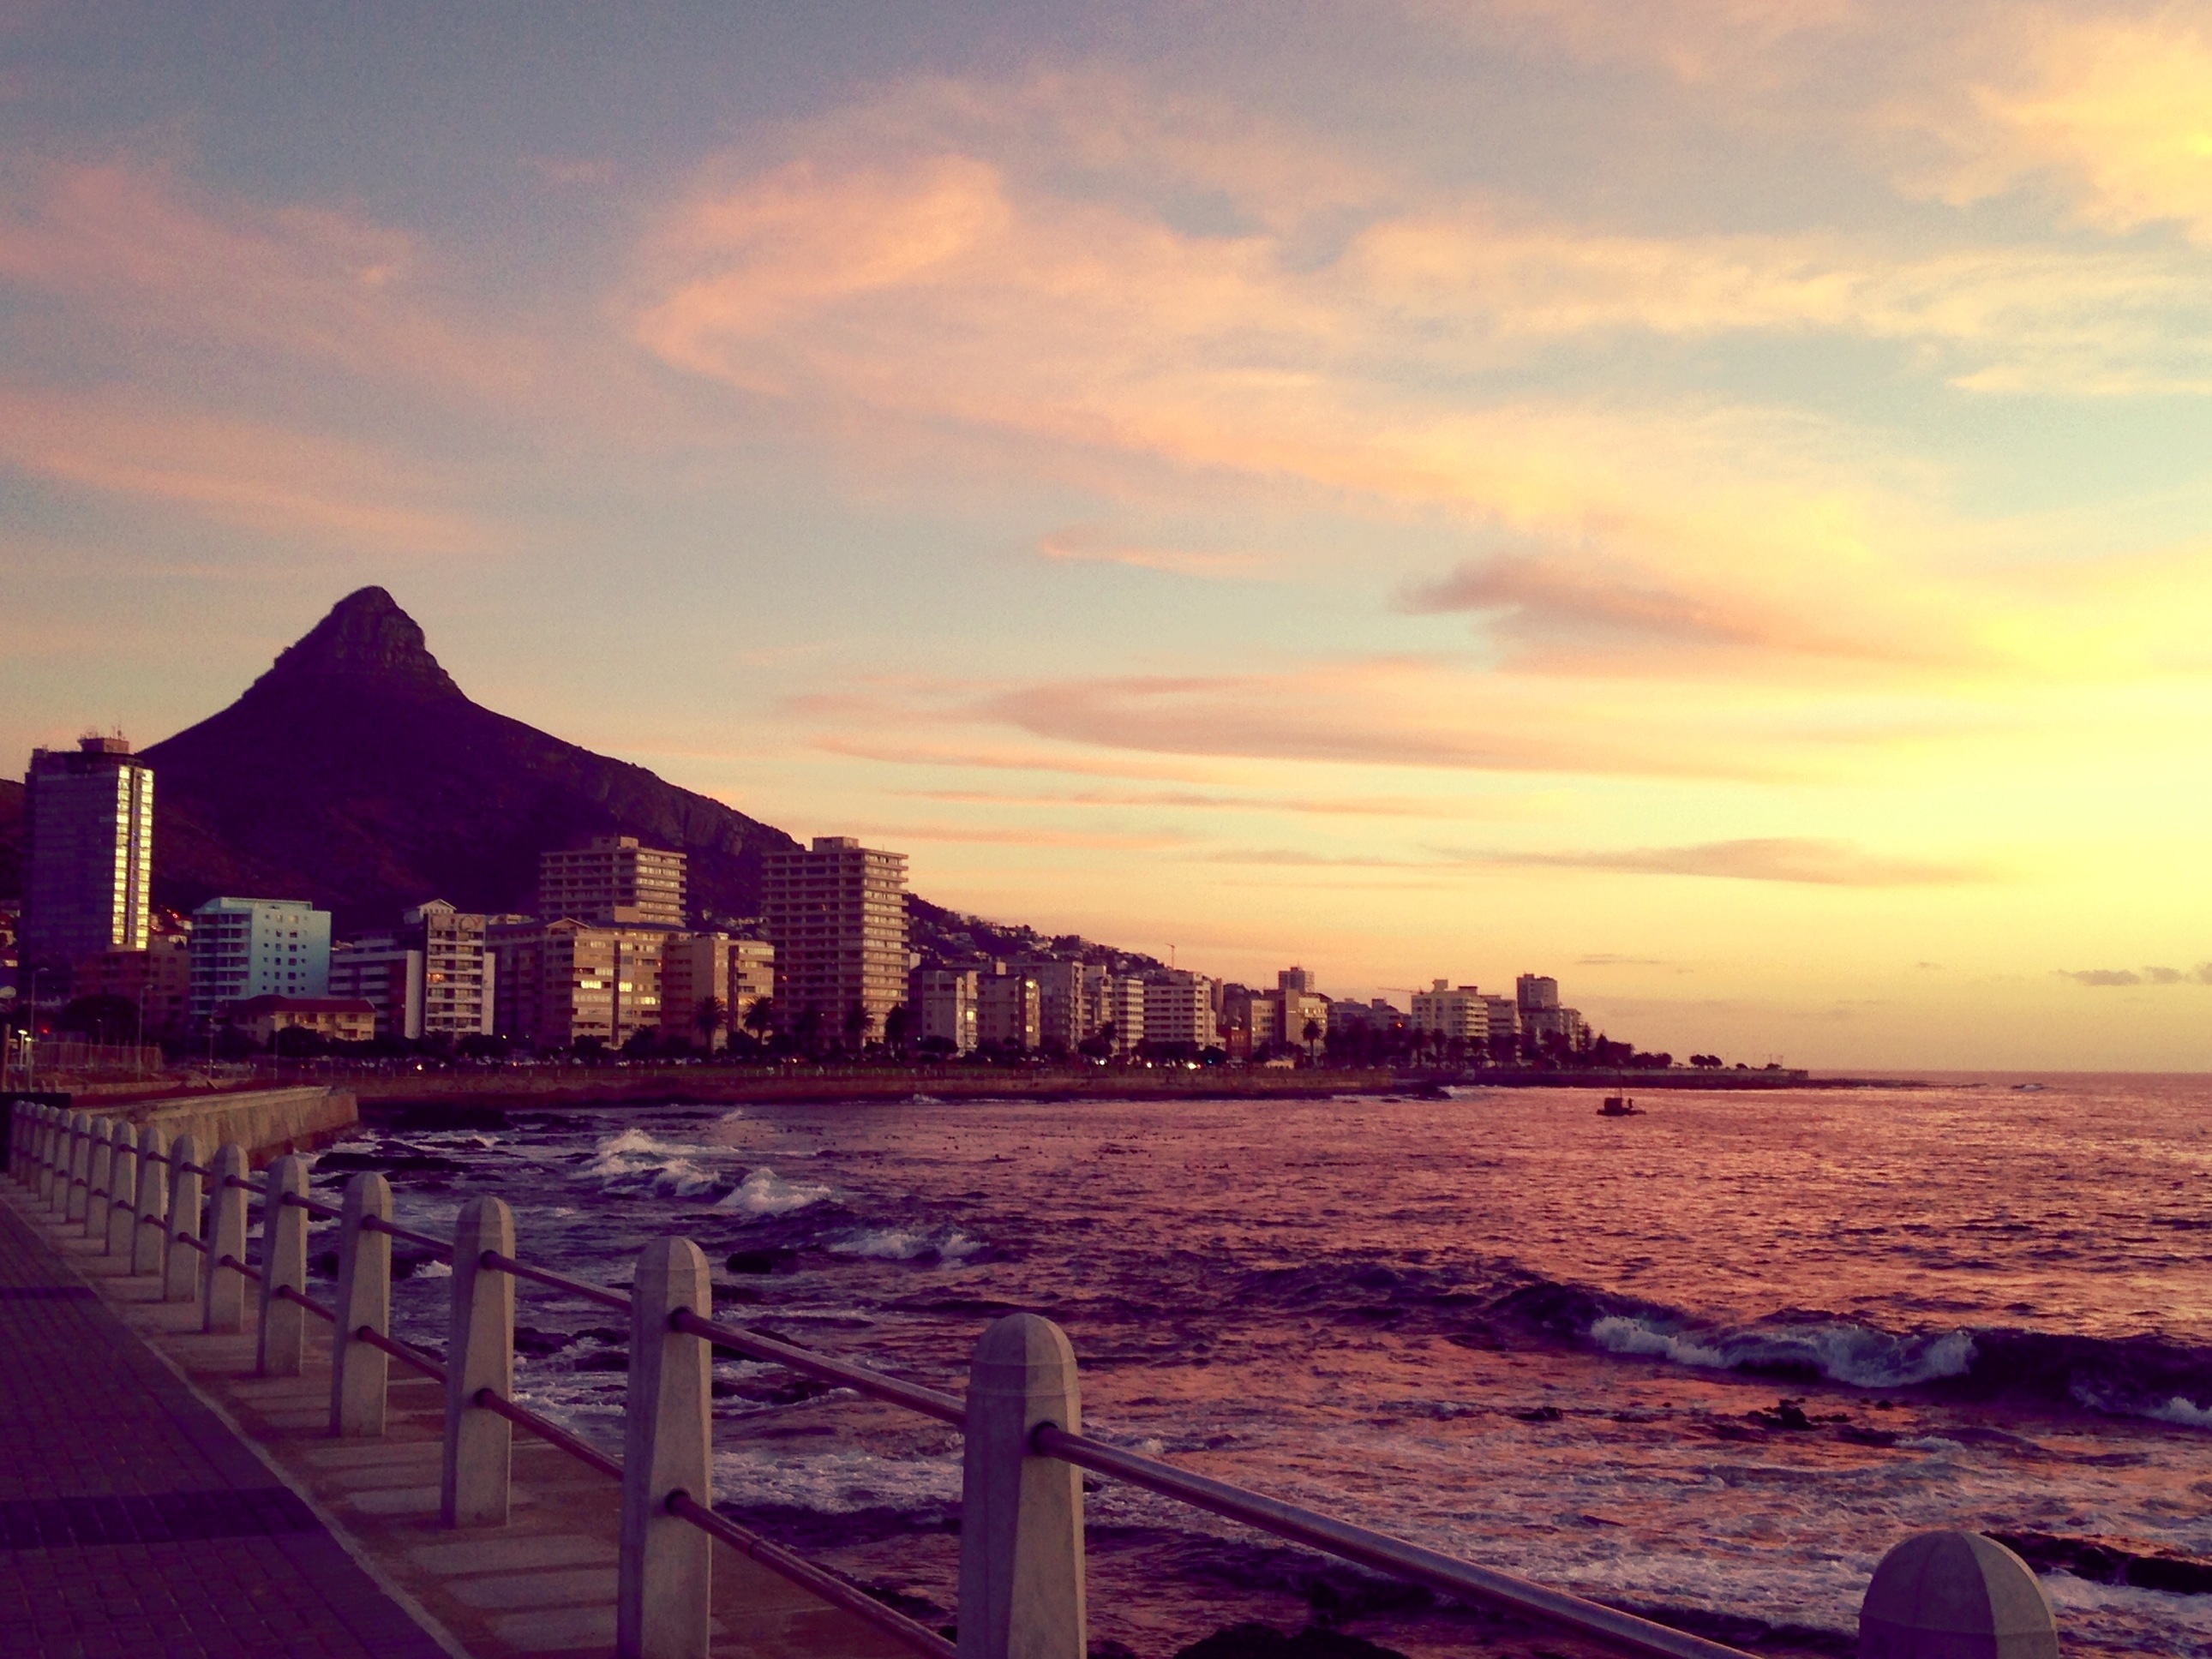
(909, 1244)
(2146, 1376)
(763, 1192)
(634, 1162)
(1837, 1349)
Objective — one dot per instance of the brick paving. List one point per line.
(132, 1521)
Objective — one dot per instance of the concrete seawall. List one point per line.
(267, 1122)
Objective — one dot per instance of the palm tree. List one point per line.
(760, 1018)
(1312, 1036)
(858, 1023)
(711, 1017)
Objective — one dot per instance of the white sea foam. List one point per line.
(1841, 1351)
(634, 1161)
(434, 1270)
(908, 1245)
(763, 1192)
(2183, 1411)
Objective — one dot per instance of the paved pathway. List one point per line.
(132, 1521)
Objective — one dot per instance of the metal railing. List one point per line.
(1021, 1555)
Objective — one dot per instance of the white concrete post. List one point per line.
(50, 1118)
(358, 1372)
(150, 1231)
(19, 1139)
(1021, 1515)
(55, 1187)
(96, 1189)
(1955, 1595)
(80, 1187)
(122, 1190)
(180, 1270)
(223, 1308)
(479, 1354)
(661, 1589)
(283, 1345)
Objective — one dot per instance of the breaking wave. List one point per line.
(634, 1162)
(909, 1244)
(2142, 1376)
(763, 1192)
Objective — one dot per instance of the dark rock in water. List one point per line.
(1257, 1641)
(1784, 1414)
(323, 1264)
(1106, 1647)
(540, 1343)
(762, 1261)
(2103, 1562)
(1539, 1414)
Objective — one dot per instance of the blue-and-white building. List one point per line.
(249, 947)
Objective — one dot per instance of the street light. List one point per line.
(31, 1037)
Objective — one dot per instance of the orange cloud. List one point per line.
(1080, 545)
(259, 478)
(1809, 861)
(2114, 111)
(127, 244)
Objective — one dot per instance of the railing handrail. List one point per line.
(439, 1247)
(930, 1403)
(1352, 1543)
(590, 1292)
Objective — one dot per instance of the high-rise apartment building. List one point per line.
(558, 983)
(1122, 1001)
(1504, 1016)
(836, 915)
(245, 947)
(941, 1007)
(1534, 991)
(1451, 1012)
(612, 881)
(1179, 1008)
(1070, 995)
(735, 974)
(89, 873)
(431, 977)
(1009, 1008)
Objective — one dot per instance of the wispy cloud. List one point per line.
(1084, 544)
(1811, 861)
(2200, 975)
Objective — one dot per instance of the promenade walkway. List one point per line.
(132, 1521)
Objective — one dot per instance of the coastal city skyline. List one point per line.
(1711, 503)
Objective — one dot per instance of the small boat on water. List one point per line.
(1620, 1106)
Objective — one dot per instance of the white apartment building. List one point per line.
(941, 1004)
(1179, 1007)
(1009, 1008)
(1123, 1007)
(430, 977)
(244, 947)
(1452, 1012)
(836, 915)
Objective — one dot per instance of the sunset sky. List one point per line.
(1708, 501)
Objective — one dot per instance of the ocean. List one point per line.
(1709, 1362)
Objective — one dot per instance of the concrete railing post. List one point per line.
(180, 1269)
(1955, 1595)
(661, 1589)
(359, 1373)
(122, 1190)
(96, 1193)
(223, 1305)
(149, 1229)
(80, 1187)
(479, 1354)
(19, 1140)
(1021, 1515)
(49, 1137)
(56, 1173)
(283, 1345)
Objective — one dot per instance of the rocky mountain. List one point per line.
(356, 774)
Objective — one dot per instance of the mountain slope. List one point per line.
(355, 773)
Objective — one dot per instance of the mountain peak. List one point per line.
(367, 640)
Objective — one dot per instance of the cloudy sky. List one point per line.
(1707, 500)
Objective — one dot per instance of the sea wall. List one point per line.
(267, 1122)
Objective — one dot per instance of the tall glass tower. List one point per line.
(88, 878)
